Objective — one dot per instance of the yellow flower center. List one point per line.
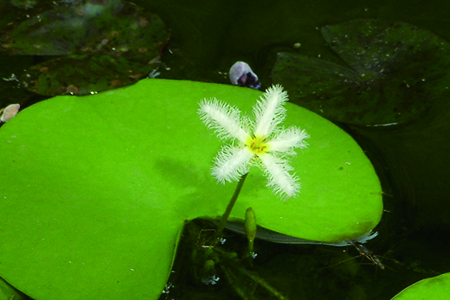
(257, 145)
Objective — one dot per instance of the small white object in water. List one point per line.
(241, 74)
(9, 112)
(210, 280)
(154, 73)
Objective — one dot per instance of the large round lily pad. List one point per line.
(96, 189)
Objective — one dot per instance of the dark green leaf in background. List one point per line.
(396, 71)
(103, 46)
(84, 74)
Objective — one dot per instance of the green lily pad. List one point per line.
(394, 72)
(436, 288)
(96, 189)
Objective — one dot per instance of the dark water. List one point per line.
(412, 159)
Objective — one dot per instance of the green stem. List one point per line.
(225, 216)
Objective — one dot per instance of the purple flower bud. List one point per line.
(241, 74)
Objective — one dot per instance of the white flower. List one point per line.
(260, 142)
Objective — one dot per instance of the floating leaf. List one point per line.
(84, 74)
(436, 288)
(396, 70)
(105, 46)
(96, 189)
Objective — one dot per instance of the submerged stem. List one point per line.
(225, 216)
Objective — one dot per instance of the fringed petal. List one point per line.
(269, 110)
(231, 163)
(279, 178)
(223, 118)
(287, 140)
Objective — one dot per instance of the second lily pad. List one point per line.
(102, 46)
(436, 288)
(394, 70)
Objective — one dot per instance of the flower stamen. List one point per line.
(257, 145)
